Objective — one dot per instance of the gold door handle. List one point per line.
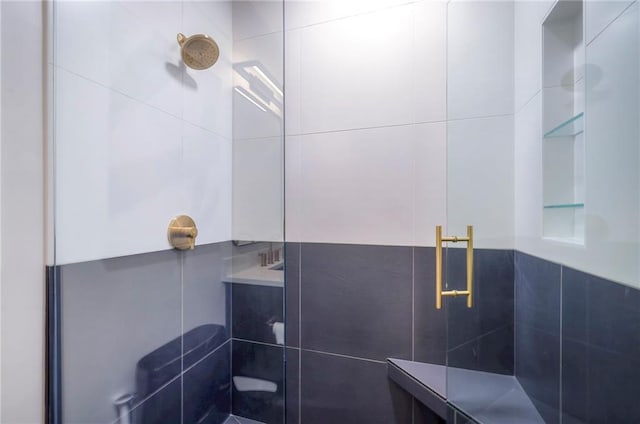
(469, 291)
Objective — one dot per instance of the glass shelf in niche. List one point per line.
(565, 206)
(569, 128)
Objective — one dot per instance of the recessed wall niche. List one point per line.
(563, 143)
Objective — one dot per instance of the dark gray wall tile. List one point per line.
(430, 324)
(464, 323)
(357, 300)
(264, 362)
(496, 351)
(204, 293)
(120, 308)
(538, 369)
(292, 294)
(614, 315)
(455, 417)
(350, 391)
(163, 407)
(493, 288)
(451, 415)
(537, 293)
(466, 355)
(423, 415)
(463, 419)
(575, 388)
(601, 347)
(292, 386)
(492, 352)
(574, 306)
(613, 387)
(207, 388)
(537, 326)
(254, 309)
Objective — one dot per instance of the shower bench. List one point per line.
(479, 397)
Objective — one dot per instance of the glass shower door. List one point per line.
(545, 168)
(477, 243)
(153, 320)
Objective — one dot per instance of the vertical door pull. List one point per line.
(455, 239)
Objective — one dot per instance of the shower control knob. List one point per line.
(182, 232)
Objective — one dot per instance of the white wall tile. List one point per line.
(528, 16)
(430, 189)
(528, 173)
(251, 120)
(613, 152)
(294, 187)
(357, 72)
(300, 13)
(206, 94)
(118, 172)
(252, 18)
(480, 62)
(559, 105)
(599, 14)
(130, 47)
(217, 15)
(357, 186)
(480, 180)
(430, 56)
(258, 189)
(206, 163)
(612, 183)
(560, 41)
(293, 82)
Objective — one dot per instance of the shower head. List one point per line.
(198, 51)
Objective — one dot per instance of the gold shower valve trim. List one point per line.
(182, 232)
(454, 239)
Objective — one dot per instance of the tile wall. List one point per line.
(577, 343)
(154, 325)
(350, 307)
(117, 87)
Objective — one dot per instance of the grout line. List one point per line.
(230, 318)
(299, 333)
(529, 100)
(195, 364)
(502, 327)
(128, 96)
(256, 36)
(257, 342)
(515, 303)
(560, 358)
(373, 127)
(164, 386)
(355, 15)
(182, 370)
(595, 37)
(344, 356)
(413, 303)
(405, 124)
(470, 118)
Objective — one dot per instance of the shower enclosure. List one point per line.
(462, 212)
(140, 332)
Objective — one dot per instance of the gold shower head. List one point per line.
(198, 51)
